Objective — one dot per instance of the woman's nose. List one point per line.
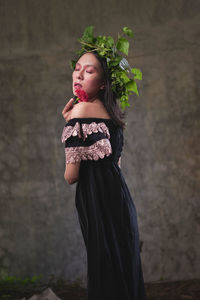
(79, 74)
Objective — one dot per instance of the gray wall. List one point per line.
(39, 229)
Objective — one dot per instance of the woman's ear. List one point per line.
(102, 87)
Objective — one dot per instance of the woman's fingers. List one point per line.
(67, 116)
(68, 106)
(67, 109)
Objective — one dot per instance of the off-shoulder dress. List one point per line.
(106, 211)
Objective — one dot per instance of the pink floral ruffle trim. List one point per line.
(70, 131)
(86, 129)
(95, 127)
(100, 149)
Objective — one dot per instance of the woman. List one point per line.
(93, 137)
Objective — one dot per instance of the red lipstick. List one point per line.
(77, 85)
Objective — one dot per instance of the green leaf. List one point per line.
(88, 34)
(124, 101)
(34, 278)
(25, 280)
(72, 64)
(110, 42)
(123, 106)
(124, 76)
(123, 45)
(115, 61)
(102, 52)
(78, 52)
(132, 86)
(137, 73)
(128, 31)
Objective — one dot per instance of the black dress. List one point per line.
(106, 211)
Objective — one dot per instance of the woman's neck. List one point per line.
(95, 100)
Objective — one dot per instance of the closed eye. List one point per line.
(86, 71)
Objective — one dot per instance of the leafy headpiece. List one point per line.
(121, 74)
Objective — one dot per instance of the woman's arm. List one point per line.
(119, 162)
(72, 172)
(80, 110)
(67, 110)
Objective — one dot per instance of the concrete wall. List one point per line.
(39, 229)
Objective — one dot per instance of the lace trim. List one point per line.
(98, 150)
(86, 129)
(95, 127)
(71, 131)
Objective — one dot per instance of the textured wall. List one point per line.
(39, 229)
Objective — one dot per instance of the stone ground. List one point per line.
(175, 290)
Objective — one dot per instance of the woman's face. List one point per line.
(88, 75)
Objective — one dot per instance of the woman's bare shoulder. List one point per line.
(89, 110)
(80, 110)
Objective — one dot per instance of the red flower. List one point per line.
(82, 95)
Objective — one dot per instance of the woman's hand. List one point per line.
(67, 110)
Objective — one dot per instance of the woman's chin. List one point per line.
(74, 93)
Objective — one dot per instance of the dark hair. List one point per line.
(107, 96)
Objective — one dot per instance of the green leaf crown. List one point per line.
(105, 46)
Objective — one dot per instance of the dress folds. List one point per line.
(106, 211)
